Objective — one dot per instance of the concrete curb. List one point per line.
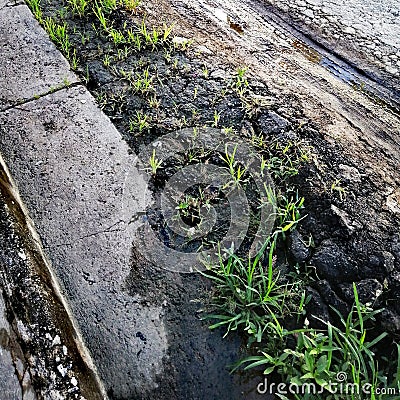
(71, 166)
(48, 298)
(30, 64)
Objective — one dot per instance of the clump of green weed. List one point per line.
(325, 358)
(59, 35)
(139, 123)
(131, 5)
(34, 5)
(250, 297)
(78, 7)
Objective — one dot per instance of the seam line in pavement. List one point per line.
(39, 96)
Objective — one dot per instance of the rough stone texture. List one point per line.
(46, 348)
(317, 309)
(390, 321)
(30, 65)
(333, 264)
(368, 291)
(297, 248)
(9, 384)
(76, 176)
(331, 298)
(371, 27)
(271, 123)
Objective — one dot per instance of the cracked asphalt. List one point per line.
(367, 33)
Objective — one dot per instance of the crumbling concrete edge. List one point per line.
(95, 384)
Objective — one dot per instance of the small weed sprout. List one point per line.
(98, 12)
(107, 60)
(195, 114)
(58, 34)
(34, 5)
(167, 30)
(87, 74)
(74, 61)
(258, 141)
(155, 164)
(78, 7)
(241, 84)
(167, 56)
(336, 187)
(137, 43)
(289, 214)
(287, 209)
(85, 38)
(108, 5)
(183, 122)
(146, 35)
(154, 102)
(228, 130)
(117, 36)
(131, 5)
(236, 171)
(217, 117)
(286, 159)
(264, 164)
(140, 123)
(142, 82)
(134, 39)
(122, 54)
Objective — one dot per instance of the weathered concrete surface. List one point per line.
(30, 65)
(9, 384)
(48, 354)
(272, 54)
(273, 37)
(10, 3)
(77, 179)
(367, 33)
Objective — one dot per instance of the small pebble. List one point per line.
(56, 340)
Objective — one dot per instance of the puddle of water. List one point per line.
(347, 74)
(340, 72)
(311, 54)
